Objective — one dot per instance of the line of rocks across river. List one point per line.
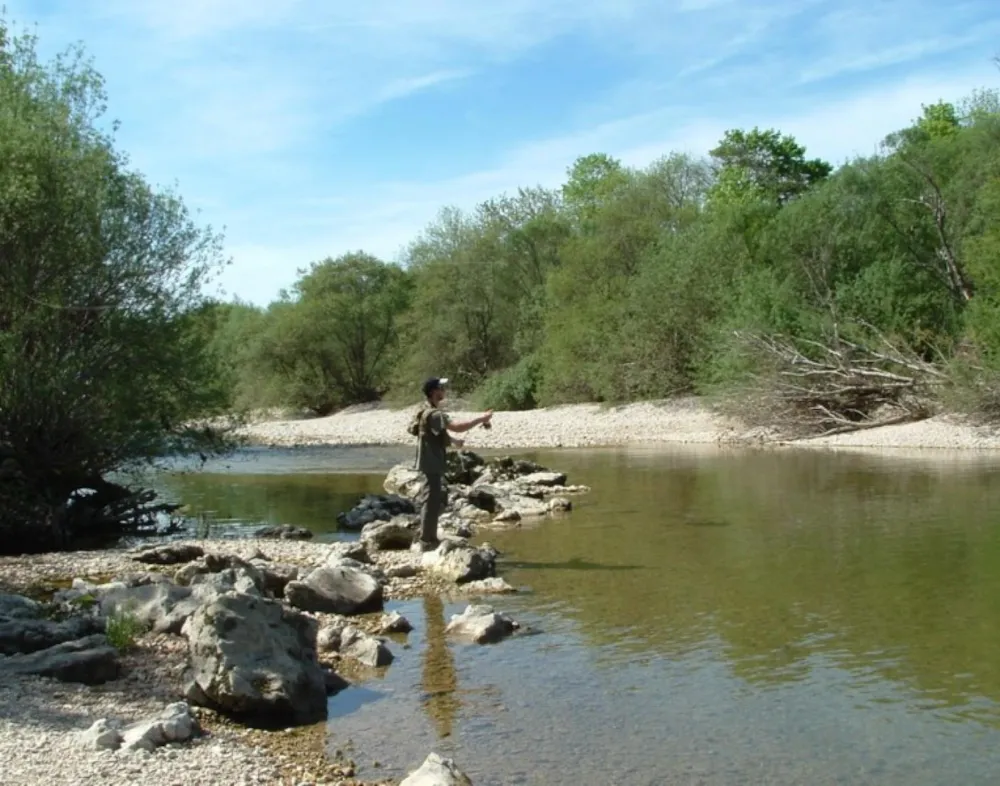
(210, 662)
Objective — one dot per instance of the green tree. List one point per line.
(592, 180)
(763, 165)
(332, 341)
(98, 364)
(588, 352)
(469, 280)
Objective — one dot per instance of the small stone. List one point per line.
(103, 735)
(395, 623)
(490, 586)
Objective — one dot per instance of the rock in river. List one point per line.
(375, 507)
(337, 589)
(283, 532)
(481, 624)
(254, 658)
(437, 771)
(460, 563)
(364, 648)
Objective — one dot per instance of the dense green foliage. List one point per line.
(627, 283)
(99, 273)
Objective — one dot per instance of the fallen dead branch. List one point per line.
(809, 388)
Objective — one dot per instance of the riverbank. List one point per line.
(41, 718)
(233, 623)
(675, 421)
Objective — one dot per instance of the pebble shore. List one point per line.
(675, 421)
(39, 718)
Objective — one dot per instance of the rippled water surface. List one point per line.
(703, 617)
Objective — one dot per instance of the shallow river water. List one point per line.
(705, 616)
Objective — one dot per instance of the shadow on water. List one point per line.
(574, 563)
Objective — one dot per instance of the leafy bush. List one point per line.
(515, 388)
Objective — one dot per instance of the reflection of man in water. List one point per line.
(439, 680)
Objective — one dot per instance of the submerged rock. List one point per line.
(490, 586)
(394, 623)
(543, 478)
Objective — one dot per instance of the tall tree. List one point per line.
(765, 165)
(332, 341)
(591, 181)
(98, 365)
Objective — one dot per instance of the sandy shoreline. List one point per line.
(677, 421)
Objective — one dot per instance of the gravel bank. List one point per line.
(40, 718)
(940, 433)
(578, 425)
(675, 421)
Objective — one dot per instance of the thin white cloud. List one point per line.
(400, 88)
(243, 101)
(904, 53)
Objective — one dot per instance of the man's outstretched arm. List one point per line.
(458, 428)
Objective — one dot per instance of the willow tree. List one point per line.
(98, 366)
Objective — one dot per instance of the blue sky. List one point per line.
(308, 128)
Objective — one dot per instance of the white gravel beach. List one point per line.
(686, 420)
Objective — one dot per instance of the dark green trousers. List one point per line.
(431, 510)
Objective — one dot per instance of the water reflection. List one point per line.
(873, 564)
(439, 680)
(225, 504)
(712, 617)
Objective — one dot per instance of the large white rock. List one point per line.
(460, 563)
(437, 771)
(254, 657)
(337, 589)
(481, 624)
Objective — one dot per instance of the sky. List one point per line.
(305, 129)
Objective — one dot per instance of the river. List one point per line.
(705, 616)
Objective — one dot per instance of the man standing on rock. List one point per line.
(433, 425)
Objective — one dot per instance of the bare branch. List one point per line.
(814, 388)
